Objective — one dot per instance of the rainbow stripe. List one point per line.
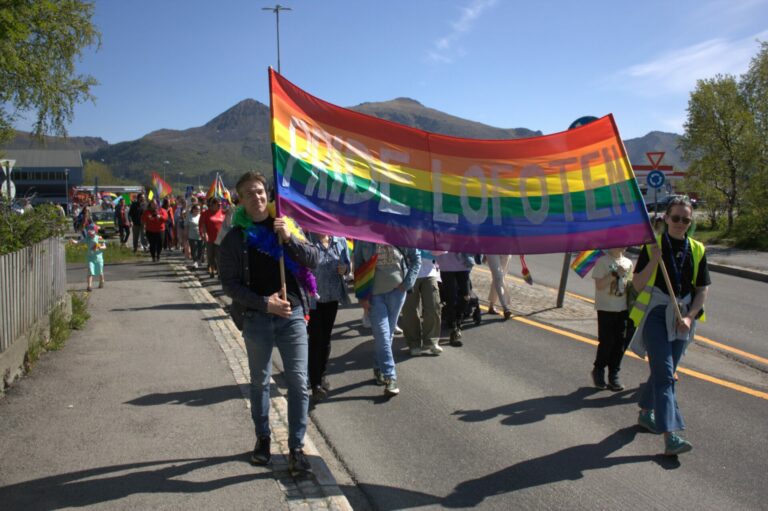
(585, 260)
(364, 278)
(162, 188)
(218, 190)
(357, 176)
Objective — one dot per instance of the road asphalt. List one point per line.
(144, 408)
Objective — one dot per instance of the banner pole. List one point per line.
(283, 290)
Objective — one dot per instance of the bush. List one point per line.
(79, 311)
(22, 230)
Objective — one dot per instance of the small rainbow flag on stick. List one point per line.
(585, 261)
(218, 190)
(364, 279)
(525, 271)
(162, 189)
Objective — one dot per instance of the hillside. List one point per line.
(239, 139)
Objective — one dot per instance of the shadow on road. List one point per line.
(171, 306)
(197, 397)
(566, 465)
(535, 410)
(105, 484)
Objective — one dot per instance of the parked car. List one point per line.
(106, 222)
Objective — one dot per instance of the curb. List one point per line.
(316, 493)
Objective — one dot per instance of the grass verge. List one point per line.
(115, 253)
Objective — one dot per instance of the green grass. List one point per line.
(79, 311)
(59, 329)
(113, 254)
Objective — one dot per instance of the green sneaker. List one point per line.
(390, 387)
(675, 445)
(378, 378)
(646, 420)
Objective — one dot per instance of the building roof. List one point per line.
(41, 158)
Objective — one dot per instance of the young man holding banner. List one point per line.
(250, 275)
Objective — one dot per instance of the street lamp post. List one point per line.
(276, 9)
(66, 188)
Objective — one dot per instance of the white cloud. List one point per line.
(445, 49)
(676, 71)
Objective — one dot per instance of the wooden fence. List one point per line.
(32, 281)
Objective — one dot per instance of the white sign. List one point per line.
(7, 188)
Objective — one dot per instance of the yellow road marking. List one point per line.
(689, 372)
(719, 345)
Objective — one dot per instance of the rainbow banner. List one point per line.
(349, 174)
(585, 261)
(162, 189)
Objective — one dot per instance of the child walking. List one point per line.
(611, 274)
(95, 255)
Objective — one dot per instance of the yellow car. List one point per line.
(106, 222)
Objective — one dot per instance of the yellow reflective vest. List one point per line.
(641, 304)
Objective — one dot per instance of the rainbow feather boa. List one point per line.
(266, 242)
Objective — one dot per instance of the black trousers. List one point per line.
(125, 233)
(455, 292)
(155, 243)
(319, 330)
(612, 339)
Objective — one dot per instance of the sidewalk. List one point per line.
(144, 409)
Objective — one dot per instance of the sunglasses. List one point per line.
(677, 219)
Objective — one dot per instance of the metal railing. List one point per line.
(32, 281)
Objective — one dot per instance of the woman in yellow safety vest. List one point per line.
(659, 332)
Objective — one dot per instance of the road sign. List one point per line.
(655, 179)
(655, 158)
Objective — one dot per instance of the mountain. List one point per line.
(25, 140)
(239, 140)
(653, 142)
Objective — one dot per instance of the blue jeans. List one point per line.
(385, 308)
(658, 394)
(261, 332)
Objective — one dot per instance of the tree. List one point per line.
(40, 41)
(719, 140)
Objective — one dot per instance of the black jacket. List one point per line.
(235, 273)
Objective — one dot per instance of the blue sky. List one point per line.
(539, 65)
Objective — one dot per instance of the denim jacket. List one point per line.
(410, 265)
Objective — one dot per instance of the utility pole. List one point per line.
(276, 9)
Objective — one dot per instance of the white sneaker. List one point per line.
(435, 349)
(416, 352)
(398, 330)
(366, 321)
(194, 265)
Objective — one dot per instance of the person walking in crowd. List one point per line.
(611, 275)
(95, 255)
(135, 212)
(84, 221)
(193, 236)
(154, 220)
(180, 222)
(421, 310)
(210, 225)
(250, 275)
(498, 265)
(383, 276)
(659, 332)
(122, 221)
(454, 275)
(332, 268)
(168, 234)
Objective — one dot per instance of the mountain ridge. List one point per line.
(239, 139)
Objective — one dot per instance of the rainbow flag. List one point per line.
(364, 278)
(352, 175)
(162, 189)
(584, 261)
(218, 190)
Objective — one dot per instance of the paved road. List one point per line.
(509, 422)
(736, 306)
